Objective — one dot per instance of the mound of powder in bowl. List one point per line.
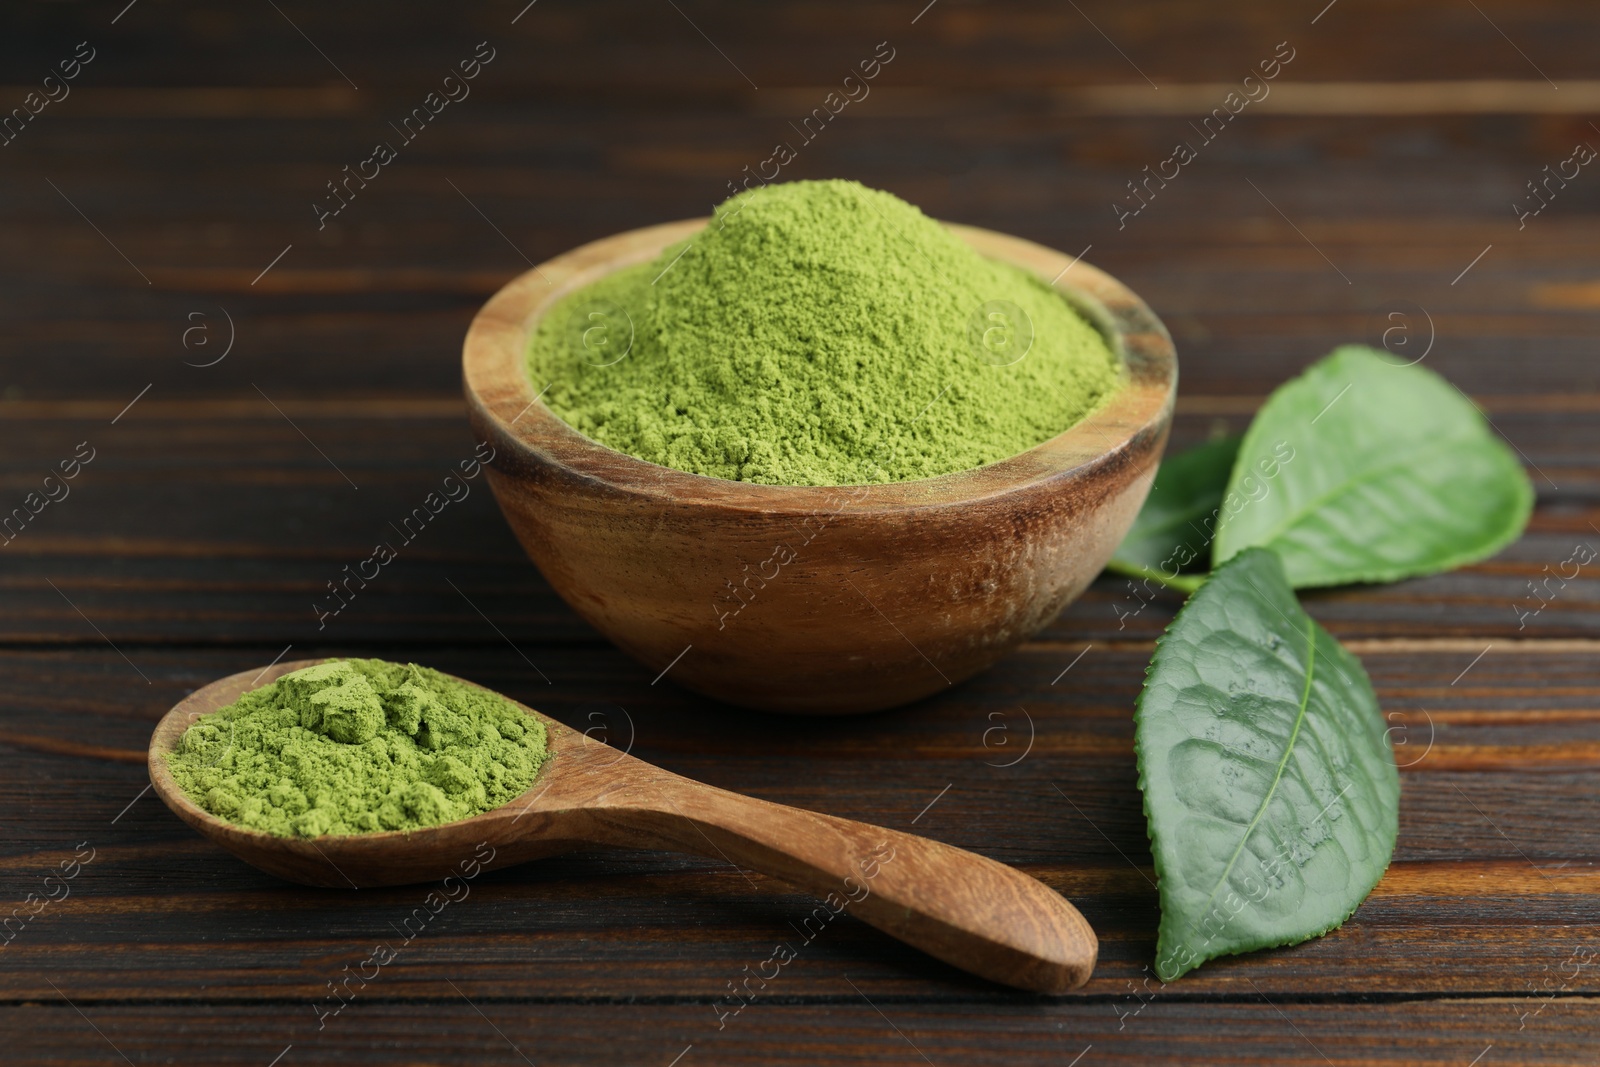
(820, 333)
(356, 746)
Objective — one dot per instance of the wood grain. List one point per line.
(207, 525)
(1523, 899)
(463, 1027)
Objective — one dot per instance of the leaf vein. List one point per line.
(1314, 506)
(1277, 778)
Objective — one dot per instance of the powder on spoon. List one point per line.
(820, 333)
(356, 746)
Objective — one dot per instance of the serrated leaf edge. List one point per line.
(1518, 516)
(1155, 856)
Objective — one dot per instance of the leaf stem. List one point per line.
(1183, 583)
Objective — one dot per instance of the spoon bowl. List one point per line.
(968, 910)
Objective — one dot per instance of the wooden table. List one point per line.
(165, 208)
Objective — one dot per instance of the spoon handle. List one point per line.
(970, 911)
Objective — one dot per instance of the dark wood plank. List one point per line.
(1247, 299)
(131, 550)
(847, 1029)
(613, 47)
(1479, 858)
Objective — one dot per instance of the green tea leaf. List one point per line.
(1390, 472)
(1175, 527)
(1268, 780)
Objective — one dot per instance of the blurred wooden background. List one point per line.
(163, 205)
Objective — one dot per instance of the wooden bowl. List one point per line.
(817, 599)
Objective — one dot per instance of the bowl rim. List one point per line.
(501, 396)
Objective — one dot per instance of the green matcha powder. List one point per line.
(355, 746)
(820, 333)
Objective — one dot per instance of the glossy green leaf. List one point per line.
(1268, 780)
(1362, 470)
(1175, 527)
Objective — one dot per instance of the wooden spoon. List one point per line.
(965, 909)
